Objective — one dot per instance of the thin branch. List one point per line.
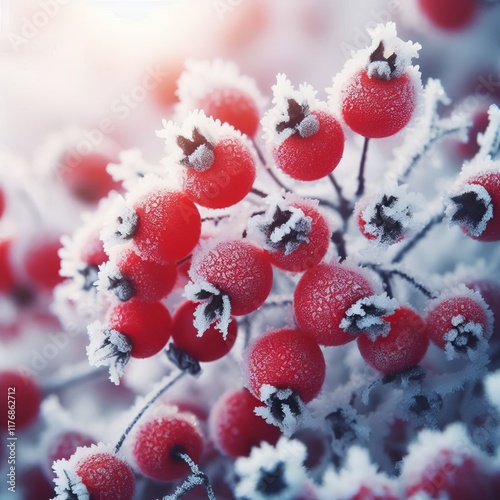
(361, 175)
(339, 242)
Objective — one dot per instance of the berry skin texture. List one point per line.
(21, 401)
(228, 179)
(241, 270)
(449, 15)
(210, 346)
(147, 326)
(314, 157)
(234, 426)
(232, 106)
(321, 299)
(169, 226)
(158, 441)
(376, 108)
(450, 314)
(106, 476)
(402, 348)
(286, 359)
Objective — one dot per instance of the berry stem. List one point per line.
(361, 175)
(417, 237)
(339, 242)
(345, 206)
(70, 375)
(258, 192)
(150, 399)
(197, 478)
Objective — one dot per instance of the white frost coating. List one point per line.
(451, 207)
(108, 272)
(201, 77)
(108, 348)
(200, 321)
(489, 141)
(405, 52)
(358, 471)
(283, 90)
(285, 460)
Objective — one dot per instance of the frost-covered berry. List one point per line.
(221, 92)
(449, 15)
(160, 439)
(132, 329)
(459, 321)
(334, 302)
(474, 205)
(92, 473)
(232, 277)
(129, 276)
(306, 140)
(234, 426)
(448, 465)
(163, 225)
(20, 404)
(377, 91)
(293, 230)
(217, 163)
(402, 348)
(210, 346)
(286, 358)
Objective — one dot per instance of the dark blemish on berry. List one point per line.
(470, 210)
(122, 287)
(300, 120)
(342, 426)
(276, 405)
(389, 229)
(198, 151)
(378, 56)
(272, 482)
(183, 360)
(90, 275)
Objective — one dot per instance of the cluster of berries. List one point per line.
(198, 236)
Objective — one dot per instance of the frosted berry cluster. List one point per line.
(264, 300)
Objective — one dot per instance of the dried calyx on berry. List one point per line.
(110, 278)
(198, 152)
(182, 360)
(299, 121)
(283, 408)
(108, 347)
(367, 315)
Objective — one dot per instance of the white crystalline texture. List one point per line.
(489, 141)
(68, 484)
(121, 221)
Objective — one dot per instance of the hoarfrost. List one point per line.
(489, 141)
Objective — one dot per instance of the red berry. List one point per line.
(130, 276)
(106, 476)
(285, 359)
(402, 348)
(2, 202)
(20, 404)
(86, 176)
(490, 291)
(322, 297)
(312, 157)
(93, 252)
(469, 149)
(7, 280)
(234, 426)
(457, 322)
(42, 262)
(146, 326)
(228, 178)
(210, 346)
(64, 444)
(159, 441)
(374, 108)
(239, 269)
(450, 15)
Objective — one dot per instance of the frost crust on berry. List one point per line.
(489, 141)
(108, 347)
(275, 472)
(121, 224)
(110, 278)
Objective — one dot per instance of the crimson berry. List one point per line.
(128, 275)
(63, 445)
(234, 426)
(164, 226)
(490, 291)
(458, 321)
(35, 484)
(159, 441)
(209, 347)
(22, 397)
(402, 348)
(286, 359)
(86, 176)
(322, 297)
(42, 262)
(7, 280)
(2, 202)
(450, 15)
(238, 269)
(474, 206)
(146, 325)
(470, 148)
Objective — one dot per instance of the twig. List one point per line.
(361, 174)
